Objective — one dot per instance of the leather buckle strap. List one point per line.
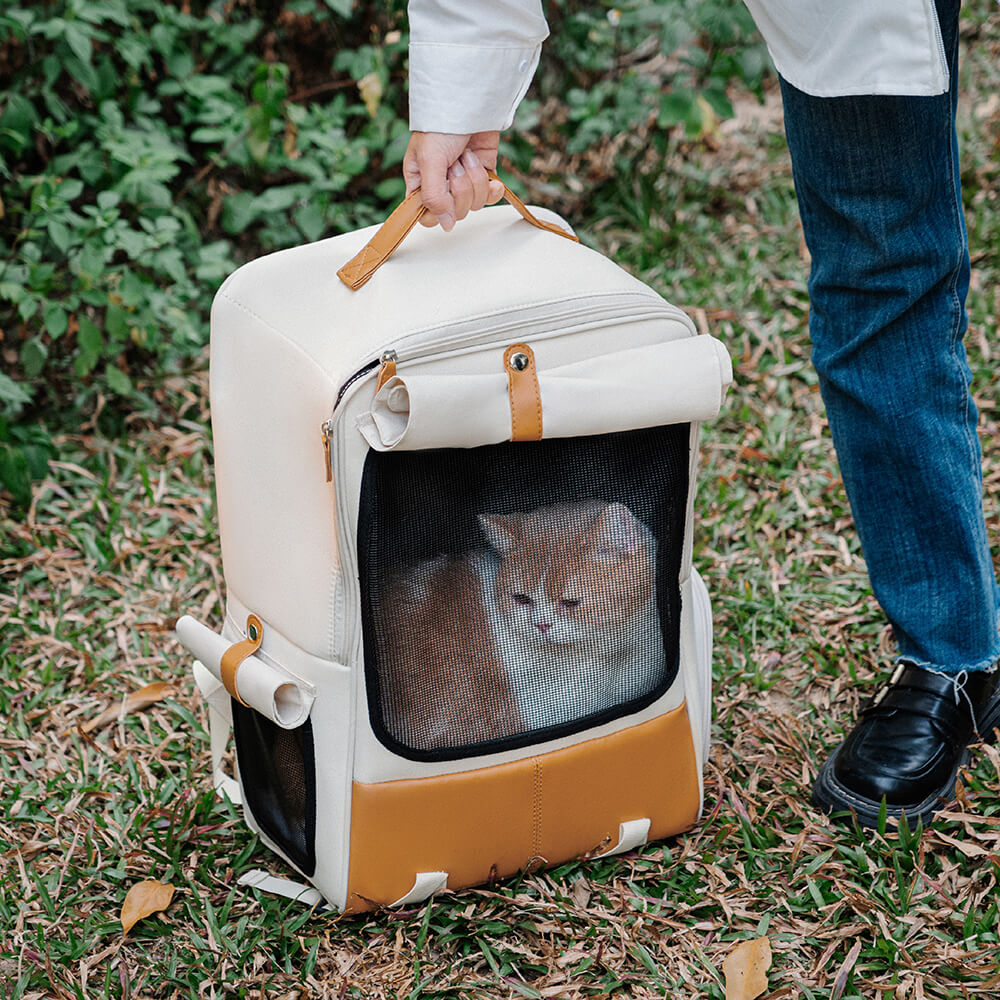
(525, 394)
(237, 653)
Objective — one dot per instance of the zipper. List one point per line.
(326, 429)
(482, 336)
(360, 373)
(387, 368)
(939, 38)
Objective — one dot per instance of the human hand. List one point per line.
(450, 171)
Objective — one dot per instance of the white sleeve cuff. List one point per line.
(462, 89)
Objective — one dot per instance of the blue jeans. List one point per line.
(877, 181)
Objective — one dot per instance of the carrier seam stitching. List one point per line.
(536, 849)
(513, 409)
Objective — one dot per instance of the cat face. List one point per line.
(571, 573)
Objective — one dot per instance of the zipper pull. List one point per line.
(326, 430)
(387, 369)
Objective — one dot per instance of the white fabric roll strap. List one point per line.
(667, 383)
(275, 693)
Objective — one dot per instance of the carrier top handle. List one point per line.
(403, 218)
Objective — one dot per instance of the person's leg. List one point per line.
(878, 186)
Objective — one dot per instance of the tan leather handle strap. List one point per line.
(403, 218)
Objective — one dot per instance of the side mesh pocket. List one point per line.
(278, 772)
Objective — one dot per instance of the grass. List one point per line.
(122, 536)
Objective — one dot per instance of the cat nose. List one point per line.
(543, 627)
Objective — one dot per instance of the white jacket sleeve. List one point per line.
(855, 46)
(471, 62)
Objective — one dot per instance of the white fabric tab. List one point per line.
(631, 834)
(271, 884)
(425, 885)
(276, 694)
(220, 723)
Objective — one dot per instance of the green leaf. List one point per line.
(15, 474)
(83, 73)
(343, 8)
(311, 219)
(118, 381)
(90, 341)
(33, 355)
(13, 393)
(391, 189)
(37, 456)
(55, 319)
(278, 199)
(59, 234)
(239, 211)
(720, 103)
(92, 258)
(116, 323)
(17, 122)
(675, 107)
(133, 289)
(78, 39)
(259, 138)
(107, 200)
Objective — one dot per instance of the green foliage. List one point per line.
(626, 65)
(147, 147)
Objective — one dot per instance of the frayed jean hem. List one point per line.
(988, 665)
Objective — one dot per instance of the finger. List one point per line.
(411, 173)
(495, 192)
(434, 193)
(461, 189)
(478, 179)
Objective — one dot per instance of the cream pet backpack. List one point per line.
(463, 635)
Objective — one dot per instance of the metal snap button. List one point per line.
(519, 361)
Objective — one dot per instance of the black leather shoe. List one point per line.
(908, 745)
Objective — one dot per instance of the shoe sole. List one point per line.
(830, 796)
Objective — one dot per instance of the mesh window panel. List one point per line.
(517, 592)
(277, 768)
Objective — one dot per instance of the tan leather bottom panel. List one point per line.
(494, 821)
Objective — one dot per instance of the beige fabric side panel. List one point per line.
(276, 511)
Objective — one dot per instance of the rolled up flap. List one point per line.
(273, 692)
(667, 383)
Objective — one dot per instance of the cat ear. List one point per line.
(498, 531)
(619, 531)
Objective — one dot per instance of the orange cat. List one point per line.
(555, 622)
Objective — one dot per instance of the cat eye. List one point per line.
(523, 599)
(570, 602)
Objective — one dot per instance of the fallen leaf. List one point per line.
(969, 849)
(143, 899)
(840, 983)
(745, 969)
(370, 88)
(134, 702)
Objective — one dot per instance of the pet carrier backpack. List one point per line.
(463, 635)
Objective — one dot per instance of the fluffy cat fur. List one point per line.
(555, 621)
